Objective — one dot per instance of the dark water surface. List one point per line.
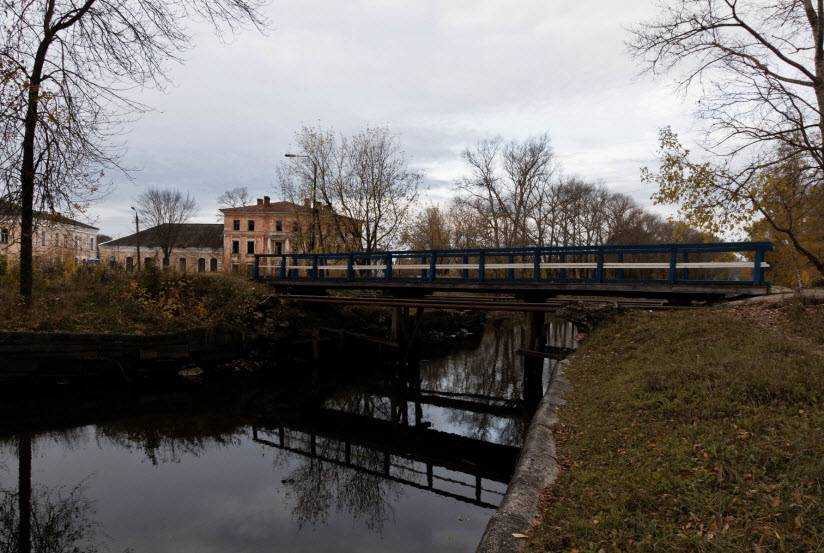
(335, 457)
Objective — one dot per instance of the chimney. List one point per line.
(260, 201)
(267, 201)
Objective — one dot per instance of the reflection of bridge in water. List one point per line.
(386, 426)
(415, 456)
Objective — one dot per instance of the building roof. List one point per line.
(270, 207)
(265, 205)
(192, 235)
(13, 210)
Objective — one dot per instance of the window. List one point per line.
(165, 262)
(201, 265)
(112, 262)
(250, 224)
(130, 264)
(236, 224)
(4, 236)
(235, 267)
(148, 262)
(213, 265)
(279, 226)
(235, 246)
(295, 226)
(91, 243)
(278, 248)
(43, 238)
(250, 247)
(181, 263)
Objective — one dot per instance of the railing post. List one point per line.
(672, 277)
(757, 269)
(599, 265)
(314, 267)
(562, 274)
(481, 266)
(510, 273)
(424, 272)
(620, 273)
(350, 267)
(283, 268)
(256, 270)
(536, 265)
(388, 273)
(465, 272)
(432, 266)
(686, 271)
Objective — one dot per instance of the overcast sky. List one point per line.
(441, 74)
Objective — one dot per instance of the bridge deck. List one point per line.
(720, 270)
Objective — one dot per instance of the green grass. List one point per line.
(96, 299)
(692, 431)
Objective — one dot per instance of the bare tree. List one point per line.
(428, 230)
(234, 197)
(364, 178)
(506, 184)
(66, 68)
(166, 211)
(759, 68)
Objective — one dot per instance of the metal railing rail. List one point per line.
(670, 263)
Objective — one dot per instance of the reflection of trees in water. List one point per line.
(492, 370)
(44, 520)
(61, 521)
(320, 486)
(167, 438)
(365, 402)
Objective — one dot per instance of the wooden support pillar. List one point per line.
(534, 366)
(315, 344)
(396, 332)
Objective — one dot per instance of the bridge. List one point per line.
(674, 272)
(518, 279)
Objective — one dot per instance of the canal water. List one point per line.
(335, 456)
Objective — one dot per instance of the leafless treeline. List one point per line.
(364, 177)
(515, 195)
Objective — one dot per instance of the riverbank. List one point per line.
(101, 300)
(692, 430)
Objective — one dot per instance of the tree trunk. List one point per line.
(27, 173)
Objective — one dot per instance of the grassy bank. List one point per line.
(97, 299)
(693, 431)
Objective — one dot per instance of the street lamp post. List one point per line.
(315, 221)
(137, 236)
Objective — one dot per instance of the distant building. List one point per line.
(281, 227)
(199, 249)
(57, 238)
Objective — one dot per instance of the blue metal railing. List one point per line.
(699, 263)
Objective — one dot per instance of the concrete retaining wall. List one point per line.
(536, 470)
